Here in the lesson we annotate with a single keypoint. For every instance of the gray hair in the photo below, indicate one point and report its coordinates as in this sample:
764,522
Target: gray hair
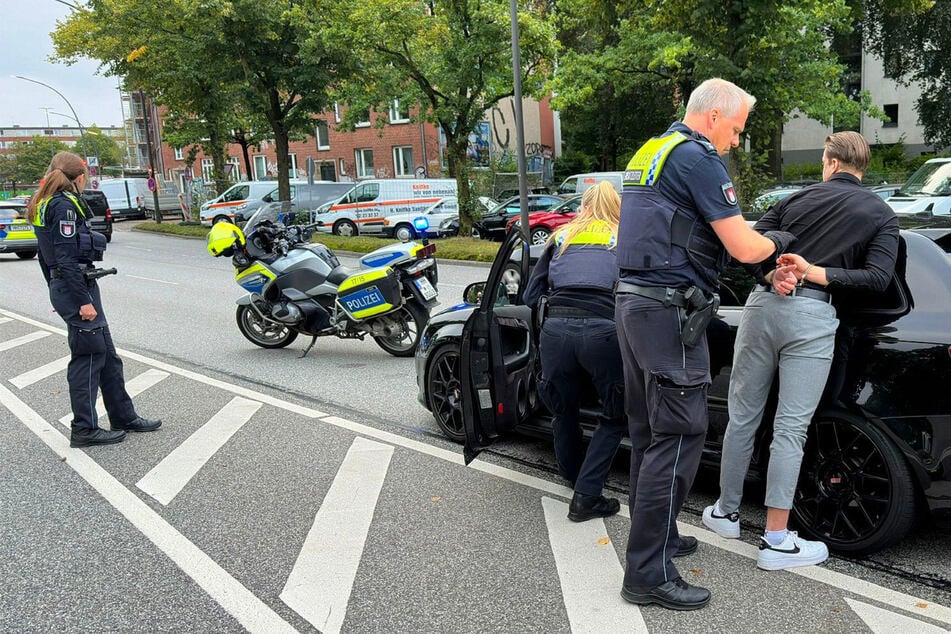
721,94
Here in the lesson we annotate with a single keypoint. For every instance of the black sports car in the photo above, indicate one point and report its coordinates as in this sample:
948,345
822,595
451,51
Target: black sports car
877,446
491,226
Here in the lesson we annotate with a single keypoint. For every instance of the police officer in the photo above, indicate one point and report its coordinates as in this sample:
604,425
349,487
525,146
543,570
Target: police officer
68,247
576,273
678,212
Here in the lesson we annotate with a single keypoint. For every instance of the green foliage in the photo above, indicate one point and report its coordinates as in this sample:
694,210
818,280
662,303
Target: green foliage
799,172
33,157
748,175
99,145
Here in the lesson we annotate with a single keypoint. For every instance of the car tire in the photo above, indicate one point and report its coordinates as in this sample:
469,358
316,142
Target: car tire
345,228
404,233
26,255
108,237
856,492
444,391
218,219
512,278
476,233
540,235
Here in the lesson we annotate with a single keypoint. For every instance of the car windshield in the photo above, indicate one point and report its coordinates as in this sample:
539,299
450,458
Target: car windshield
931,179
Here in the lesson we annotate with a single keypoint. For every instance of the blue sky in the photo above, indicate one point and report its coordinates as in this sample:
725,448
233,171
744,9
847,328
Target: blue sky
26,47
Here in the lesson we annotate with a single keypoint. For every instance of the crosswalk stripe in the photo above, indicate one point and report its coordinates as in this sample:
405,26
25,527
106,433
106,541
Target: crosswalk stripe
170,476
4,320
21,341
882,621
40,373
134,386
590,573
320,583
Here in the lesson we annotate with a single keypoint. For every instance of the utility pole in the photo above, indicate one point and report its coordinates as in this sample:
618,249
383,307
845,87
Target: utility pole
157,216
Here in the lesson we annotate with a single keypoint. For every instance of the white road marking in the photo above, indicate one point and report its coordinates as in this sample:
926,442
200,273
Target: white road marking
169,477
40,373
134,386
4,320
826,576
590,573
882,621
22,341
231,595
152,279
321,581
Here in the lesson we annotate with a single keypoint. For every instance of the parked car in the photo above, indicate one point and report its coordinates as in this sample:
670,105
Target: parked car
927,192
885,190
542,224
126,196
450,226
400,226
767,199
578,183
101,220
876,449
16,234
492,223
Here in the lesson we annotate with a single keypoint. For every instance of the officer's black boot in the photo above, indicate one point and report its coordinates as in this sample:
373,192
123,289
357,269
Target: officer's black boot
587,507
86,436
139,424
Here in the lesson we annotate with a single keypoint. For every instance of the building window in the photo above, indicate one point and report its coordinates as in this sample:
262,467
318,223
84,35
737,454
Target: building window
292,165
179,154
398,113
364,161
260,167
336,112
403,161
363,118
207,169
235,162
891,111
323,135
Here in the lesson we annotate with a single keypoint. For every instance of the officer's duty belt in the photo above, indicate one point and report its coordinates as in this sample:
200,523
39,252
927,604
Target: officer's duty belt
799,291
570,312
668,296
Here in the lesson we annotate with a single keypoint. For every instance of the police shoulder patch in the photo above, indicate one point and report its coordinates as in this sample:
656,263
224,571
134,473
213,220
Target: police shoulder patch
67,228
729,193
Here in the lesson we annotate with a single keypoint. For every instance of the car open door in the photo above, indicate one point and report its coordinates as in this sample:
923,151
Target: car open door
498,356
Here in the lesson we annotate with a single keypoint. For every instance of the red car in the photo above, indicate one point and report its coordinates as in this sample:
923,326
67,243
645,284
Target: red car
542,223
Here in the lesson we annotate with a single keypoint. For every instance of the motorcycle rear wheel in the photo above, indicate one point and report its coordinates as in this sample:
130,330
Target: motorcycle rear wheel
260,332
412,319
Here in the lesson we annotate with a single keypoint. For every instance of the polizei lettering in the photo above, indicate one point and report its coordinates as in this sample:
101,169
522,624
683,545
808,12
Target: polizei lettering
367,299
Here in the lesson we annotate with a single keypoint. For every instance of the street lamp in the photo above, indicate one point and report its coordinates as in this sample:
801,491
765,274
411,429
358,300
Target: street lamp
75,116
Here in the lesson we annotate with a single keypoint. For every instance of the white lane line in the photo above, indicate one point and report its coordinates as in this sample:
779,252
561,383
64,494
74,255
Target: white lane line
228,592
882,621
152,279
170,476
134,386
321,581
590,573
21,341
4,320
194,376
40,373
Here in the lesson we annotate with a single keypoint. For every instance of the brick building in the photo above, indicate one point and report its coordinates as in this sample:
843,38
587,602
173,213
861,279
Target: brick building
401,149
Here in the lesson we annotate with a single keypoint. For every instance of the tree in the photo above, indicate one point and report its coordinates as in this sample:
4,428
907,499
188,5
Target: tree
913,38
99,145
454,58
33,157
9,172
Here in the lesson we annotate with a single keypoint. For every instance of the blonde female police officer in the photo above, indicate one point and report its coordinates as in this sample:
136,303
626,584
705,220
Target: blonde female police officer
577,272
68,247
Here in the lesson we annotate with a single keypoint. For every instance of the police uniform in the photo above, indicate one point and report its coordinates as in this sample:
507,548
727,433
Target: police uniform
68,247
674,187
579,335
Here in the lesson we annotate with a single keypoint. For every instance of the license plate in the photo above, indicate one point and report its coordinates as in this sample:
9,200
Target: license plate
428,290
19,227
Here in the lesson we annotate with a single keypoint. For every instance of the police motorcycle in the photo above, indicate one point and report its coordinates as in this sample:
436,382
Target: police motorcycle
298,287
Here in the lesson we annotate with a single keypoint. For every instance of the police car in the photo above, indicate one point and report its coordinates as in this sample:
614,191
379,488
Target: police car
16,234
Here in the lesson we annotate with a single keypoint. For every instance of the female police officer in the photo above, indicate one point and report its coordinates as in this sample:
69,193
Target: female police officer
68,247
577,271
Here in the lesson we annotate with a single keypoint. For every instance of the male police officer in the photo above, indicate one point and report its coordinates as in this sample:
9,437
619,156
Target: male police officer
678,212
68,247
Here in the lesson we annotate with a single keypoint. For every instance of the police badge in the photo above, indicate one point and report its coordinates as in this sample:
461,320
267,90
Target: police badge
67,228
729,192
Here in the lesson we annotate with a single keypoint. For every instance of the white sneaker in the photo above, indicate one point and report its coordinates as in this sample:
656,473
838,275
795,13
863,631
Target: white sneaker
793,552
723,525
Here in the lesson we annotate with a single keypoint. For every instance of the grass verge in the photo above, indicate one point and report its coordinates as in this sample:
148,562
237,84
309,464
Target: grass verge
446,248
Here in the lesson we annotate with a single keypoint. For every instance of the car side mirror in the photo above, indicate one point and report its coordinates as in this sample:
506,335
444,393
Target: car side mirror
473,293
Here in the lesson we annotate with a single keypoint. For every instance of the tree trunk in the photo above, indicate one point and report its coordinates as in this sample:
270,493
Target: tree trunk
275,117
458,169
218,159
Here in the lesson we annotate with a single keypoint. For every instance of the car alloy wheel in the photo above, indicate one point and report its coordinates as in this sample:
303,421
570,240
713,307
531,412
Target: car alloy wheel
444,391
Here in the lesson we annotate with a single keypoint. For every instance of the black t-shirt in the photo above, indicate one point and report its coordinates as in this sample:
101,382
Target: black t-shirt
843,227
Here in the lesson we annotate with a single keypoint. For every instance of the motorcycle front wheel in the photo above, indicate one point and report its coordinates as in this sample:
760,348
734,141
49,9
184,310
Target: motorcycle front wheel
410,321
262,332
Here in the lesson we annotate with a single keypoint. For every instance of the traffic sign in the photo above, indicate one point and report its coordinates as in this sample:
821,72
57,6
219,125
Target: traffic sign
92,161
151,184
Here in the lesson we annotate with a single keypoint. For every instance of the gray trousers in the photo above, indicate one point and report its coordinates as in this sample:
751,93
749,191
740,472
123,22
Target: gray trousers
795,335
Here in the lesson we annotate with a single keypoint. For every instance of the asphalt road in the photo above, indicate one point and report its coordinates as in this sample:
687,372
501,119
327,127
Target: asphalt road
304,494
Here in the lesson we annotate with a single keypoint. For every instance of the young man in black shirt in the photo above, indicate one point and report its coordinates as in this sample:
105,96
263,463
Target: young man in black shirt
846,237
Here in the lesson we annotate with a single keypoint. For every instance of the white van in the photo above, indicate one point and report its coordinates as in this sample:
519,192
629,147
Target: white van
124,196
928,190
401,227
364,208
236,197
578,183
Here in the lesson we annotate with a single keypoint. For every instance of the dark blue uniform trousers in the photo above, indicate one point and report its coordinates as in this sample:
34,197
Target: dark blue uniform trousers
569,347
665,400
88,373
